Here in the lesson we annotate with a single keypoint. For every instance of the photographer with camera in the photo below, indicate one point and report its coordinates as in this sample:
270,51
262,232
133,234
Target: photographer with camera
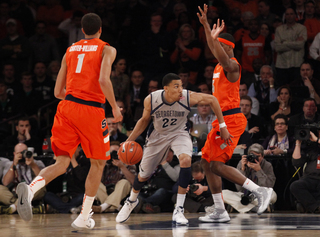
307,189
117,179
260,171
198,192
309,115
23,168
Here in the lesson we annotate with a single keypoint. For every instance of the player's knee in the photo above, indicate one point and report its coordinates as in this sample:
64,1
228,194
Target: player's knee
184,177
185,160
138,183
216,167
205,165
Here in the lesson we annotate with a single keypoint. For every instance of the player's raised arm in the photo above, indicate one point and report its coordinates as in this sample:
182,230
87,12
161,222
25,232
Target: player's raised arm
196,98
204,21
143,122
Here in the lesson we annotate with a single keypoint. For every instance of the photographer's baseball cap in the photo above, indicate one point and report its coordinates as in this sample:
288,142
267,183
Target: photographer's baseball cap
11,21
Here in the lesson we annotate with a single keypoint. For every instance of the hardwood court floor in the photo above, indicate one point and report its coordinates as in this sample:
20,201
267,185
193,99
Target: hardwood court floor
159,225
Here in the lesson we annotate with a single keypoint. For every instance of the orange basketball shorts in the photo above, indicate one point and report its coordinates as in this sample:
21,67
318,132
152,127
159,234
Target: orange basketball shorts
76,123
215,149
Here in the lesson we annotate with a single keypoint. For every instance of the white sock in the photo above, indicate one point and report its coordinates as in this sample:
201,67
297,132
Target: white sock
180,200
218,201
86,206
104,206
249,185
37,184
133,196
13,207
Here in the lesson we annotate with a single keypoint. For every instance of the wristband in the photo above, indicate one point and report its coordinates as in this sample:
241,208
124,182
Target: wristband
222,125
318,140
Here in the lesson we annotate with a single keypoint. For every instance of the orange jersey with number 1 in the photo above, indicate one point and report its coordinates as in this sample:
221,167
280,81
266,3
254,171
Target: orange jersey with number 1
84,69
227,93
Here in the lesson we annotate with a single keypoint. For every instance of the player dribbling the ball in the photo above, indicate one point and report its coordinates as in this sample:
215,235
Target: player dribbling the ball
168,109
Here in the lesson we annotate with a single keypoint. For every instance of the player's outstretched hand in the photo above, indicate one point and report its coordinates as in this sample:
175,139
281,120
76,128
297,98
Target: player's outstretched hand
117,114
217,29
203,17
225,135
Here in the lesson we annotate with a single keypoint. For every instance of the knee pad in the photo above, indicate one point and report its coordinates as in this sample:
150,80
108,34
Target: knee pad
184,177
137,185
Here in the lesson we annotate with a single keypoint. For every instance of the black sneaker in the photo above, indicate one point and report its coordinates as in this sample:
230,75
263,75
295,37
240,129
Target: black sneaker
300,208
6,210
149,208
39,209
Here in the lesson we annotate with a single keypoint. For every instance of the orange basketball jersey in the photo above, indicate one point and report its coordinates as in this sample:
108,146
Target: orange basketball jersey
225,91
83,62
252,49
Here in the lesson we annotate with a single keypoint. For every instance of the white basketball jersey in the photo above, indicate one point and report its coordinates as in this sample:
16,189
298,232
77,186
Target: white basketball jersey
166,117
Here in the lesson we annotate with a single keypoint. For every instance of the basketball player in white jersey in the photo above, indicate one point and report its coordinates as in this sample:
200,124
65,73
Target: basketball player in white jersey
168,108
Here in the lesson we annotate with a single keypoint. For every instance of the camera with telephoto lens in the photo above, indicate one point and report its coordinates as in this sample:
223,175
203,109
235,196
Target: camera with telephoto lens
25,154
191,194
252,158
113,156
302,132
247,198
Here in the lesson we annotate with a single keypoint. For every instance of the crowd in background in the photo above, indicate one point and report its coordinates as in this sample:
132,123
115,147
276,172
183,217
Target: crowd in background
277,45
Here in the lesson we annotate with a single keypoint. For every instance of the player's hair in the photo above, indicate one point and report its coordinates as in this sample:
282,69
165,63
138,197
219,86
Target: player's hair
168,78
227,36
90,23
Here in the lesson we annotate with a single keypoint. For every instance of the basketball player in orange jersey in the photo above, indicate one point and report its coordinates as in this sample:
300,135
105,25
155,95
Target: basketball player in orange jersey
215,153
82,84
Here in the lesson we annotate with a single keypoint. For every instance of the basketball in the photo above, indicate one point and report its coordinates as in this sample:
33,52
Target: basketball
130,152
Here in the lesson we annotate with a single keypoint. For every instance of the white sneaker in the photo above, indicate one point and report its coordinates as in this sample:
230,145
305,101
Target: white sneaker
126,210
82,224
209,209
25,197
218,216
264,196
178,217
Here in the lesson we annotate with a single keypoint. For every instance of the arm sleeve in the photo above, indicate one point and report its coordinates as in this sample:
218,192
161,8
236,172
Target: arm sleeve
172,172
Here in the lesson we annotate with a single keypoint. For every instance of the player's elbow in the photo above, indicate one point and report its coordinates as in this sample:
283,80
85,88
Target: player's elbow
103,82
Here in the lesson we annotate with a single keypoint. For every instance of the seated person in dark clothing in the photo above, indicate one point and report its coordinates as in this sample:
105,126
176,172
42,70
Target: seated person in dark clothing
26,99
199,195
65,193
184,75
24,135
280,143
157,193
307,188
256,125
114,132
307,80
284,104
309,115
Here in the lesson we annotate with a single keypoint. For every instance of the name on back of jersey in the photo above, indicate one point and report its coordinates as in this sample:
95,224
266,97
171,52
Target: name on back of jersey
169,113
83,48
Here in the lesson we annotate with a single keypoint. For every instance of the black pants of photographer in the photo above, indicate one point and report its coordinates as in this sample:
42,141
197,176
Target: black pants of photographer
192,206
62,207
307,192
